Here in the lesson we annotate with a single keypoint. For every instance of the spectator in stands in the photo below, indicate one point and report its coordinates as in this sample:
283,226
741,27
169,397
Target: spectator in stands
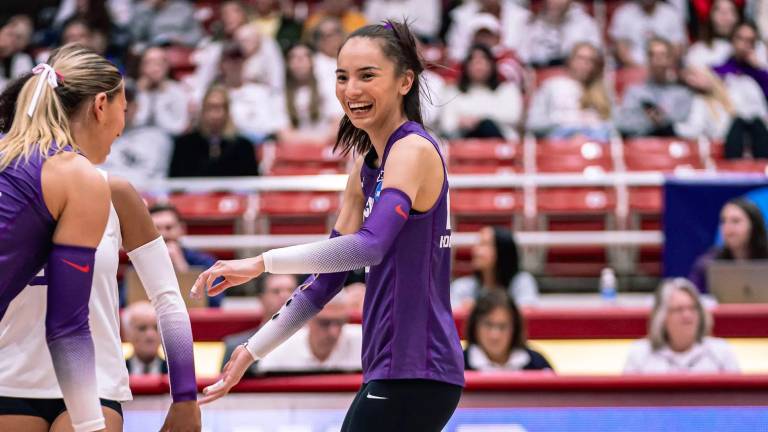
742,227
207,56
214,148
576,103
343,10
119,11
251,105
747,83
22,30
486,30
327,343
310,116
653,107
171,226
160,22
161,101
510,14
327,38
276,23
711,112
551,35
140,153
263,58
423,15
277,289
496,263
140,329
678,338
98,18
13,62
714,46
496,339
474,107
635,23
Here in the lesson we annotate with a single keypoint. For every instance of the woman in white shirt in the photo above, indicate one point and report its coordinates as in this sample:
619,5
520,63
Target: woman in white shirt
714,46
576,103
481,106
496,262
678,336
310,115
712,110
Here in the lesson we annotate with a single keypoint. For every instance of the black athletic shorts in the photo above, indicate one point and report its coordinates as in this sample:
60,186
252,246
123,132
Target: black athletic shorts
414,405
47,409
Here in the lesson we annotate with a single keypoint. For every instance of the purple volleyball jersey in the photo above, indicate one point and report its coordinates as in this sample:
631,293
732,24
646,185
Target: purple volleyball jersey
26,227
408,327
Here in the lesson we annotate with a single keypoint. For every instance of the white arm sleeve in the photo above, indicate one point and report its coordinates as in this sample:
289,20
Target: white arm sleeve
287,321
338,254
153,265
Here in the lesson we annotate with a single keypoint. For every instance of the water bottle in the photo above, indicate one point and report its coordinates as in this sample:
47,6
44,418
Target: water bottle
608,286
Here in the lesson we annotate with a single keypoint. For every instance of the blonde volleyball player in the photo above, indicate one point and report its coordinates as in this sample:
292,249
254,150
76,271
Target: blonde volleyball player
30,396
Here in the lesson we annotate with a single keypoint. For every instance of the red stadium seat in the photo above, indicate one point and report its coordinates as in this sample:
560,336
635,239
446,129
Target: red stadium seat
573,155
759,166
483,156
544,74
297,212
303,159
575,209
661,154
646,206
180,60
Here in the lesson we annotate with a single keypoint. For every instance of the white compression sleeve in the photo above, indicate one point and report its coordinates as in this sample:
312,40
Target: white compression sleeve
364,248
291,317
153,265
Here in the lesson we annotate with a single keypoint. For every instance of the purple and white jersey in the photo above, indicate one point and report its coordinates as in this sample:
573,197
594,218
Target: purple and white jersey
408,327
26,227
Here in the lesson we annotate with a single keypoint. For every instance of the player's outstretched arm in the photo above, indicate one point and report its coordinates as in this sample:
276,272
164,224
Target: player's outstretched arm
150,258
77,196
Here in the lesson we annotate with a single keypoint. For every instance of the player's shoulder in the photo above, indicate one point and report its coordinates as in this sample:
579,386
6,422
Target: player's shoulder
73,168
412,145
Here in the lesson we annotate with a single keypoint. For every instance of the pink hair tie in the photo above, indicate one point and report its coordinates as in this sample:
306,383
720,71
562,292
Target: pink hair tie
47,74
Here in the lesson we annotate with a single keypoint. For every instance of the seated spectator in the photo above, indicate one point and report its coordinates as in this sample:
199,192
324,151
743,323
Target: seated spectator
310,116
496,263
343,10
160,100
496,339
481,106
99,18
551,35
711,112
635,23
327,343
13,62
742,227
714,46
263,58
652,108
164,22
747,83
141,153
207,56
213,148
486,30
251,105
510,14
274,21
120,11
22,30
327,39
276,290
140,329
678,338
171,226
422,15
576,103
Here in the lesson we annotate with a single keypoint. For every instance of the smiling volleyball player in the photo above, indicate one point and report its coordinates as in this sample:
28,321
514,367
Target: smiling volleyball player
394,220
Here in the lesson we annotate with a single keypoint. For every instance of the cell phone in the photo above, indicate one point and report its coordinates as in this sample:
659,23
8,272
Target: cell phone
649,105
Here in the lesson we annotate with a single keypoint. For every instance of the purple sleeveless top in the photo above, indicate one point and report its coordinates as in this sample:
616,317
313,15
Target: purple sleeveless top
408,327
26,227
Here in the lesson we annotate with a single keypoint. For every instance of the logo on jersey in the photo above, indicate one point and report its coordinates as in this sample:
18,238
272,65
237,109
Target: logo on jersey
399,210
445,241
376,194
81,268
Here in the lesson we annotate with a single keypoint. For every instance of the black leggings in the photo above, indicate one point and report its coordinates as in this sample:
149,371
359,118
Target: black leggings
402,406
746,132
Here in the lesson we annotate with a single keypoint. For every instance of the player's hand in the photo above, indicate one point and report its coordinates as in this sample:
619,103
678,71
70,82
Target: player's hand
233,372
183,417
234,272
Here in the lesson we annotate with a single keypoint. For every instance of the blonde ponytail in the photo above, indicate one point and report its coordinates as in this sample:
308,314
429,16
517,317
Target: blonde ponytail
80,75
